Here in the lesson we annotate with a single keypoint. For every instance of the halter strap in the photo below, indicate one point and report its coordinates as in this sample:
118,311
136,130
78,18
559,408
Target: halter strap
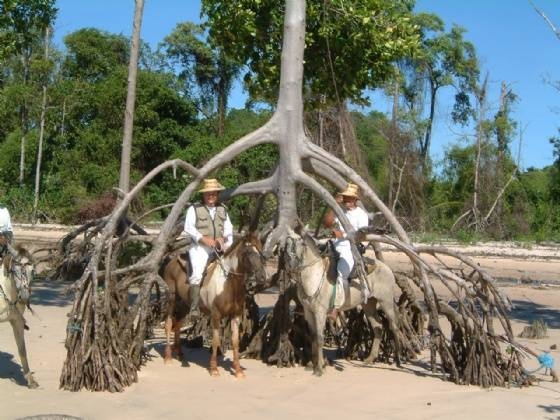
315,294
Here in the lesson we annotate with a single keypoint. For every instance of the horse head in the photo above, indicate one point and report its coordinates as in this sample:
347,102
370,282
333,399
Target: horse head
21,270
294,252
252,262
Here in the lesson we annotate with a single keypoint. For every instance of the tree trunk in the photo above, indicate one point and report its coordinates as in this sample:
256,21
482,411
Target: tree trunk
124,182
480,135
41,136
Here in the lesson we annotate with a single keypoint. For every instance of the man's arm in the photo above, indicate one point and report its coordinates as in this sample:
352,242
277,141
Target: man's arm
228,232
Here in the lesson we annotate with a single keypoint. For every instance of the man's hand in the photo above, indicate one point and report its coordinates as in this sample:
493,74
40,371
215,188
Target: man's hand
337,234
209,242
219,244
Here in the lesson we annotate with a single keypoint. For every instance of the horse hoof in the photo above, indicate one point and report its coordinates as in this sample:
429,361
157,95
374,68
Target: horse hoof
214,372
318,373
239,375
32,384
167,360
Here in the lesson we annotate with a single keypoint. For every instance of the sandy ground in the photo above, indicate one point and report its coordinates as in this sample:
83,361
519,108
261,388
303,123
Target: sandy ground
348,389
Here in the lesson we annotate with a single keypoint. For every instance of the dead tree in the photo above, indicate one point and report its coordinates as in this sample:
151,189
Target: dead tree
110,315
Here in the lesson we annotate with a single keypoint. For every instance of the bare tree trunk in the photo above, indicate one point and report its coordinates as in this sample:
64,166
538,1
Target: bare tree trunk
21,158
63,119
547,20
41,136
124,182
24,119
393,134
425,146
480,135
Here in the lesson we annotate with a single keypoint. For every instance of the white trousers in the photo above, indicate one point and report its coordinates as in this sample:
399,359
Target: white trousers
199,257
345,261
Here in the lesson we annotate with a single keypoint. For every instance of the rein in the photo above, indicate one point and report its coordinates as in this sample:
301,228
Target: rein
300,268
221,263
20,281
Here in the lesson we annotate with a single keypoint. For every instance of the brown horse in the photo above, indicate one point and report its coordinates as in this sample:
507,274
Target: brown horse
16,273
222,294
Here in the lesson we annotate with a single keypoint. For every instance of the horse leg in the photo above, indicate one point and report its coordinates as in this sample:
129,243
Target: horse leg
387,304
168,354
215,345
313,330
370,309
321,320
177,339
18,325
316,322
235,343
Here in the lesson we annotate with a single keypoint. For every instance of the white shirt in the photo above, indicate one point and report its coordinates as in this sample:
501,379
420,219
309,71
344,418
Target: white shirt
358,218
192,231
5,220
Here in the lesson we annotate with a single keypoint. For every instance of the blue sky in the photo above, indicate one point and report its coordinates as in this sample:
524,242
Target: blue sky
513,42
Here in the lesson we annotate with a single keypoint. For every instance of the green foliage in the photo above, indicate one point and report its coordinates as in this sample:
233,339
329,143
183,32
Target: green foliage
93,54
369,131
350,45
21,22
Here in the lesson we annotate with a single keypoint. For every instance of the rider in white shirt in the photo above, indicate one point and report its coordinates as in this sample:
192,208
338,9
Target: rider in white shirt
5,227
210,228
358,218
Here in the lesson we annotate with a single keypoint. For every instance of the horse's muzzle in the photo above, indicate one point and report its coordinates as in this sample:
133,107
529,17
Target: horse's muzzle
24,295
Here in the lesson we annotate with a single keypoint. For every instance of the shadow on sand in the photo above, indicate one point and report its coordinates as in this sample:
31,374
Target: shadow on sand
10,369
198,356
50,293
527,311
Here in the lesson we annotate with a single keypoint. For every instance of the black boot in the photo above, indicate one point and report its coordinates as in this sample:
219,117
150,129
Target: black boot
194,292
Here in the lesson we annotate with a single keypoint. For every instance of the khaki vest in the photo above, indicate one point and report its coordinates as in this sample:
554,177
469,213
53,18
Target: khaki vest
204,223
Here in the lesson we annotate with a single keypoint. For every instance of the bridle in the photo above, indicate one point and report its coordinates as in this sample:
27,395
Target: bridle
21,271
248,248
296,266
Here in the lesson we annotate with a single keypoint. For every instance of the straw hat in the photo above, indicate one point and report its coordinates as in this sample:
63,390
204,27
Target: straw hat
211,184
350,191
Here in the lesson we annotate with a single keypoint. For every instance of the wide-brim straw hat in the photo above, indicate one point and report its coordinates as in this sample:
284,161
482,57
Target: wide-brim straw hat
350,191
211,184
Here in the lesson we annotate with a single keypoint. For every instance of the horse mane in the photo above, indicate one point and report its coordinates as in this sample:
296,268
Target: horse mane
310,243
20,251
24,252
251,236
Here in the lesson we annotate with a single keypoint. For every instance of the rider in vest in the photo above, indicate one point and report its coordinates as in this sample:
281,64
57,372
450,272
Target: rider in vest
209,226
6,230
358,218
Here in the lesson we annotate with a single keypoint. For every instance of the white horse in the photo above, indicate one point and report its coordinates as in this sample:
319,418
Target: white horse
16,274
315,276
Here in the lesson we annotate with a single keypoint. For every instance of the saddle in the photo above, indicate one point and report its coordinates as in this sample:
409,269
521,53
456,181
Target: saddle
369,263
185,260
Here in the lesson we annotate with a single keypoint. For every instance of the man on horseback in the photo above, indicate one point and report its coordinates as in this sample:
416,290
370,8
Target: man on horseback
358,218
210,228
6,232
